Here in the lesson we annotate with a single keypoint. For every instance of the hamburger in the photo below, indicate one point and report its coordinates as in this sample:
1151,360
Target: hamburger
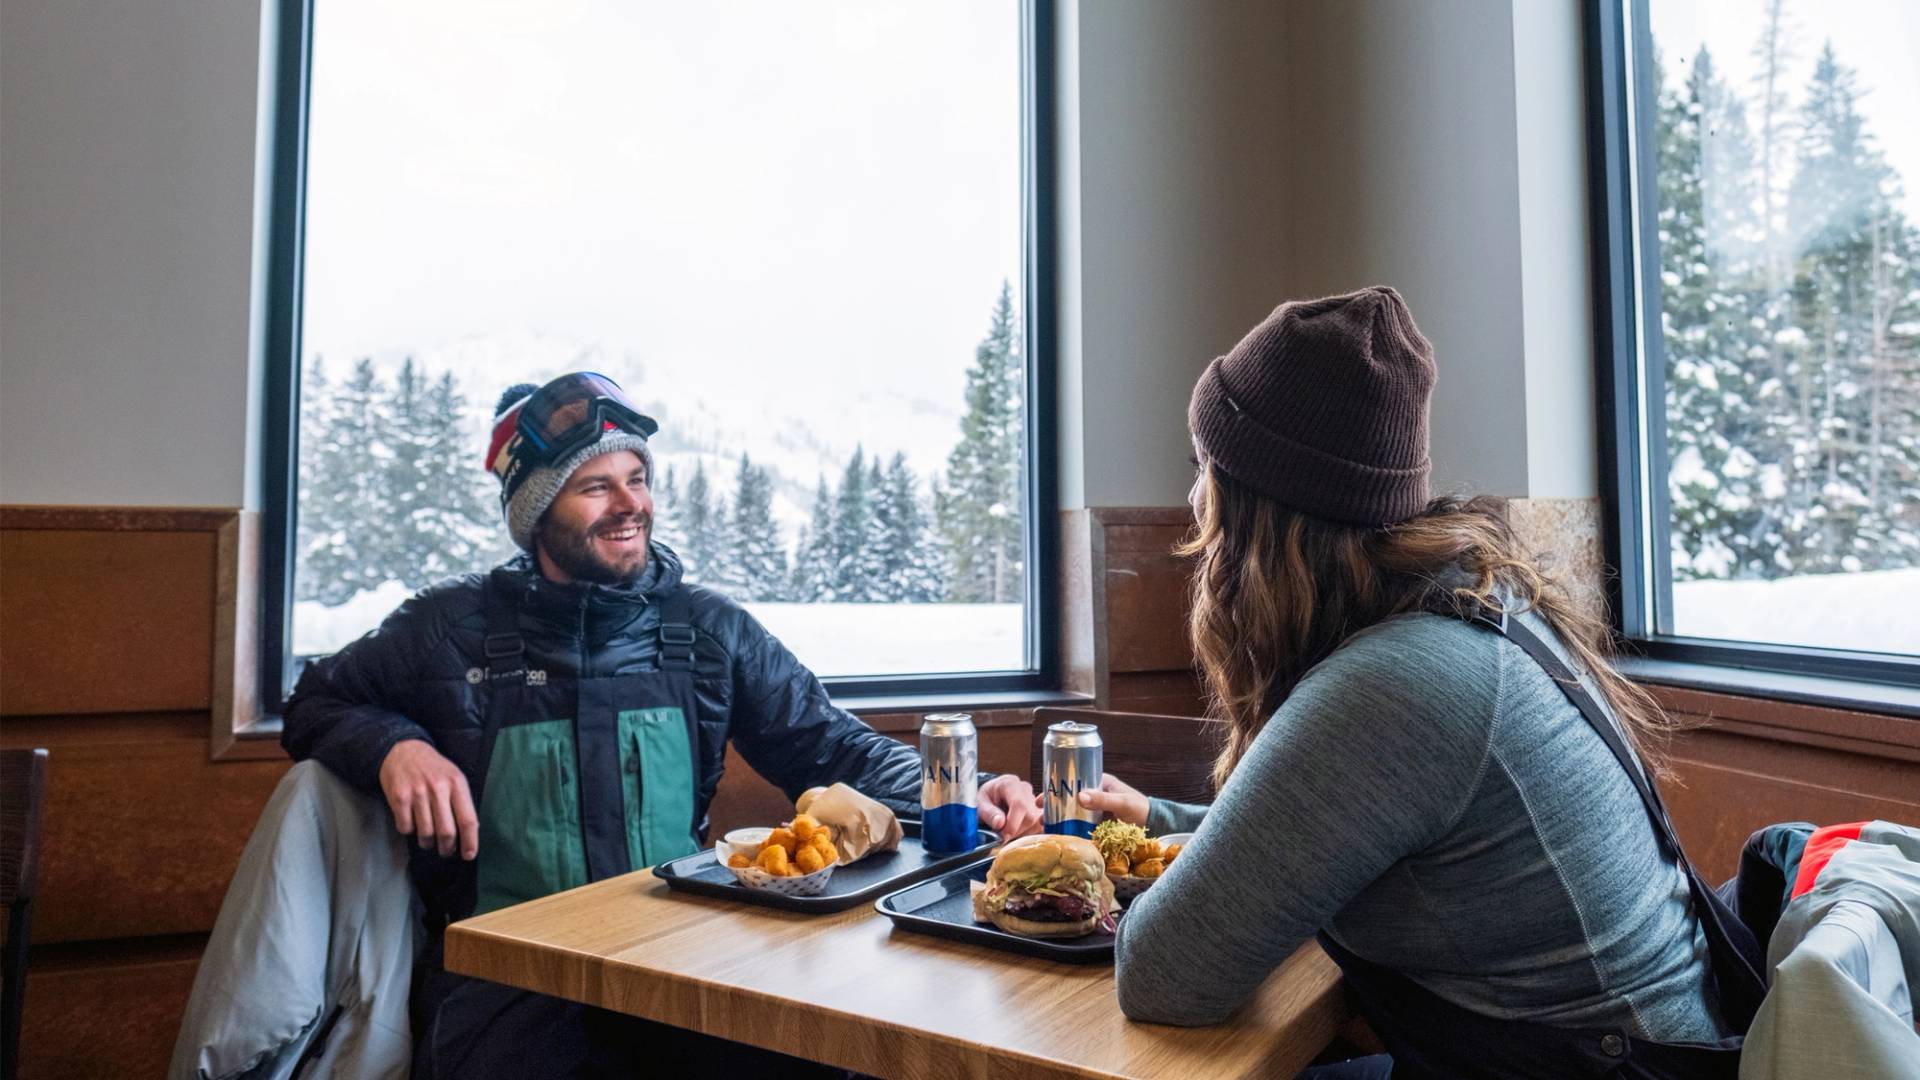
1046,886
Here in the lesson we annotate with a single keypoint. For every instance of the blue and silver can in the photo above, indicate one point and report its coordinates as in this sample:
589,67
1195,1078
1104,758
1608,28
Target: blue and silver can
1070,760
949,783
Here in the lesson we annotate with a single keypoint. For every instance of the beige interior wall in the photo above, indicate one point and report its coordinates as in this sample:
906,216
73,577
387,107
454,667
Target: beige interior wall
127,139
1231,155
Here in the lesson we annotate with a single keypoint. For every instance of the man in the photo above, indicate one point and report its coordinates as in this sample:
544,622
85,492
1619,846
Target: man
564,718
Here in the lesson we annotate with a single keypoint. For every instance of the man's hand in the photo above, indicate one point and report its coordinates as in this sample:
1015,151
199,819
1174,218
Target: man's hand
429,798
1116,800
1009,807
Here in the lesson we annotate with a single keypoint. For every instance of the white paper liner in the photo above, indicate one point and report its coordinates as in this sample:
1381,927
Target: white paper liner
755,878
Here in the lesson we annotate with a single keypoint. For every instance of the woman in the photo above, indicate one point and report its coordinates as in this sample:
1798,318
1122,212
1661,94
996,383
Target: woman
1406,780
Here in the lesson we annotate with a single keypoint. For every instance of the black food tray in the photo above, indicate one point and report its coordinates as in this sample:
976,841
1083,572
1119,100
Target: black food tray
850,886
943,907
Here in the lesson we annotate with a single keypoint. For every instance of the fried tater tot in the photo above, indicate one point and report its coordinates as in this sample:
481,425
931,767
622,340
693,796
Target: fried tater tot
822,842
739,861
1146,849
784,840
1118,866
1172,851
803,827
773,859
1149,868
808,860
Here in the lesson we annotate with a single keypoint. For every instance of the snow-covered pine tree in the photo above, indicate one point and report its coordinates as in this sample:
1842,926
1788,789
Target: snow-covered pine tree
318,517
669,525
812,578
406,546
702,522
1894,403
351,452
875,552
460,525
1832,203
1707,251
911,570
850,538
981,508
756,560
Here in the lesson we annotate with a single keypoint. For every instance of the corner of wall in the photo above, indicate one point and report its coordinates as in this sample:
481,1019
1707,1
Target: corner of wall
1556,272
1068,351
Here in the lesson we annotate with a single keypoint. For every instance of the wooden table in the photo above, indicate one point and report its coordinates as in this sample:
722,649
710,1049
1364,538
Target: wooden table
850,990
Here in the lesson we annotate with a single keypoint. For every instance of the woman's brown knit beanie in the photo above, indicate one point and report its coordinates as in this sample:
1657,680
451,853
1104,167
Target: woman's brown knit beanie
1323,408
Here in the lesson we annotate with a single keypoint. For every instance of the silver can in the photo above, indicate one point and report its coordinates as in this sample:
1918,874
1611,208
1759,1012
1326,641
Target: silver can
949,783
1070,761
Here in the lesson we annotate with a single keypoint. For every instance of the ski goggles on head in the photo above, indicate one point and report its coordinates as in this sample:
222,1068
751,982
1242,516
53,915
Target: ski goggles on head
566,415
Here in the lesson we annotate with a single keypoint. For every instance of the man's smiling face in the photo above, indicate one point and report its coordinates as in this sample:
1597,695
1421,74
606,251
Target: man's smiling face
598,526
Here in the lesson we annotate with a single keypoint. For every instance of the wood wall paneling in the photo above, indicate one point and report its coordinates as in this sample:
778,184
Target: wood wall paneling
1753,762
1132,619
107,1011
142,831
95,621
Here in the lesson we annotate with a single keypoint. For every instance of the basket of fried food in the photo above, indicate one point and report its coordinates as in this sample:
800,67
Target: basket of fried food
1135,860
795,859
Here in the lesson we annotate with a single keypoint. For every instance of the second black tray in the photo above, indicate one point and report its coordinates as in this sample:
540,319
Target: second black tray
850,886
943,907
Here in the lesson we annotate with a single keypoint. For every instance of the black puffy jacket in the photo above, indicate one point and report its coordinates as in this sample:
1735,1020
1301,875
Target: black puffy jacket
409,680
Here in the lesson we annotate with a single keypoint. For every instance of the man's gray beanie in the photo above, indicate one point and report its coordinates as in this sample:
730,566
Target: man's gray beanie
542,485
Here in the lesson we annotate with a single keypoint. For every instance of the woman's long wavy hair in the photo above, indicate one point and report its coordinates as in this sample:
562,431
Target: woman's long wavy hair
1276,591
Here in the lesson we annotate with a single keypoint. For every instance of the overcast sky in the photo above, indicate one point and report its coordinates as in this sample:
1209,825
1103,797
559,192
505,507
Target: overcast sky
766,204
1878,39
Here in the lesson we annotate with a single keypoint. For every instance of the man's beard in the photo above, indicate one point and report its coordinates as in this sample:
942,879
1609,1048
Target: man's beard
572,550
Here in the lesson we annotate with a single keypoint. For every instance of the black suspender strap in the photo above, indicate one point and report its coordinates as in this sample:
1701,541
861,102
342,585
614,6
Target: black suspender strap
1518,632
1739,964
676,632
503,650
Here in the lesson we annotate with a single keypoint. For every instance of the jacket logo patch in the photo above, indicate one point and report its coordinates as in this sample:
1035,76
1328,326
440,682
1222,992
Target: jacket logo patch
534,677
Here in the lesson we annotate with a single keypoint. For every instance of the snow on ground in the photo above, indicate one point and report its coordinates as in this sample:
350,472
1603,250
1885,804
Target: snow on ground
832,639
897,639
1873,611
319,629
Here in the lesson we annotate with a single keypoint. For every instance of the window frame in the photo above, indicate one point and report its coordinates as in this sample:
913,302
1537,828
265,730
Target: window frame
1630,372
289,85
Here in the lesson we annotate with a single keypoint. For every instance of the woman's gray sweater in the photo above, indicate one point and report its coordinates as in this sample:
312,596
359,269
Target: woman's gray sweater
1431,798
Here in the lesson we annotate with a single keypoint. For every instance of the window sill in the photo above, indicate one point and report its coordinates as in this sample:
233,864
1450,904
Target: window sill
1802,689
261,738
976,701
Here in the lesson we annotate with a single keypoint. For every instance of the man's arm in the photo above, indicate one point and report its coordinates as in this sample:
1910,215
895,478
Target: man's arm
788,729
346,712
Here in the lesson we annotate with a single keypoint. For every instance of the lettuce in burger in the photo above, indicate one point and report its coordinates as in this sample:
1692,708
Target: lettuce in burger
1046,886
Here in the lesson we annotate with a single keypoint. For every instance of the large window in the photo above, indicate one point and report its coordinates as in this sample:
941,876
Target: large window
804,236
1756,165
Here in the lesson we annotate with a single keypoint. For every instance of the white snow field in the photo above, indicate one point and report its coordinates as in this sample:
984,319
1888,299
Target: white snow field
1873,611
831,639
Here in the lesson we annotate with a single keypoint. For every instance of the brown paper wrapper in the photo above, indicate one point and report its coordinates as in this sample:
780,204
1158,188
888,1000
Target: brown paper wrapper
860,825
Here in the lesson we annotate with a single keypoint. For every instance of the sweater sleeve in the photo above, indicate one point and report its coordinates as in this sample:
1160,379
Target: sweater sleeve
792,733
1166,816
1374,756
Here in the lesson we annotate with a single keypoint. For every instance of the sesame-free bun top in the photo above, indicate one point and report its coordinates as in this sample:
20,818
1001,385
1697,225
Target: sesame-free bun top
1048,853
